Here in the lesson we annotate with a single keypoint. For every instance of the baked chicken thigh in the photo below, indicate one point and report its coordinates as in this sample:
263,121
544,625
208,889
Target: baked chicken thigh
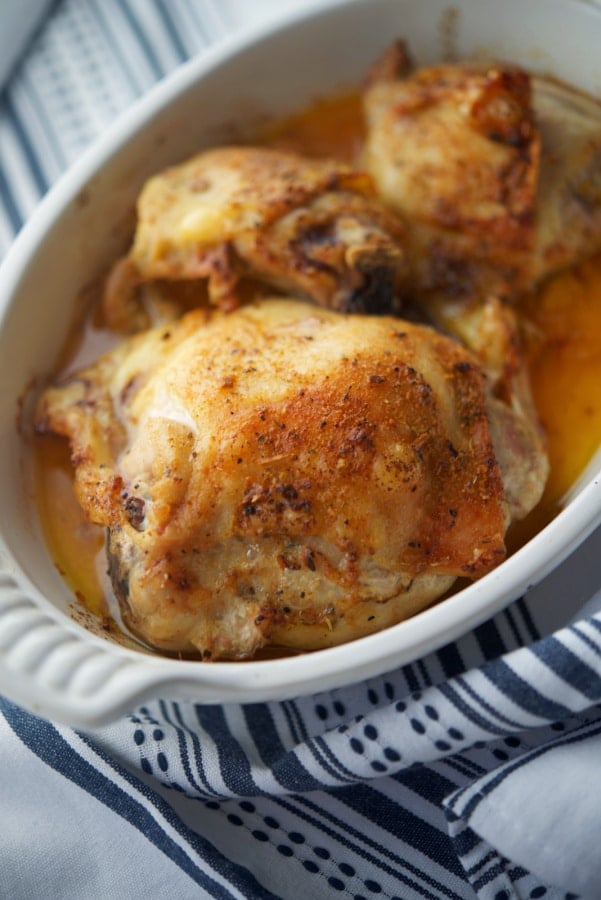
497,172
285,475
309,227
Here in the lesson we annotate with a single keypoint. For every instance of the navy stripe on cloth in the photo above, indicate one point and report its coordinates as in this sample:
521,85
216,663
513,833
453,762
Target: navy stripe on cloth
125,67
361,844
411,678
499,868
465,841
484,861
451,694
142,39
487,707
295,723
426,678
185,734
373,806
586,639
450,660
524,694
233,761
29,154
285,767
533,632
171,30
582,734
509,618
260,723
9,204
296,716
426,782
44,120
489,640
329,761
463,766
596,624
43,739
574,671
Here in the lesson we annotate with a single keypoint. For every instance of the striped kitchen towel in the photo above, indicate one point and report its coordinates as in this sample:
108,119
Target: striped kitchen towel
470,773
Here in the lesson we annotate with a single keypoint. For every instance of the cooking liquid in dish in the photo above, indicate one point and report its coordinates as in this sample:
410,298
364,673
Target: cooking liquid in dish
561,326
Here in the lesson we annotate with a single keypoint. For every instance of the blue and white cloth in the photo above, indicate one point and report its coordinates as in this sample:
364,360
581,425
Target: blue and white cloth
472,773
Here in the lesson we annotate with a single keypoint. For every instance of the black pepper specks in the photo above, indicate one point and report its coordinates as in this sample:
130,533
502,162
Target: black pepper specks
135,511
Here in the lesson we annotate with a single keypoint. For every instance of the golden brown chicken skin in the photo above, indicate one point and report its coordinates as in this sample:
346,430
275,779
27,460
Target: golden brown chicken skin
285,475
454,149
498,173
309,227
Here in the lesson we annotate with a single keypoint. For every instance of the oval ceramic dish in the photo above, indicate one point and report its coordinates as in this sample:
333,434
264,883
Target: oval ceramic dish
50,662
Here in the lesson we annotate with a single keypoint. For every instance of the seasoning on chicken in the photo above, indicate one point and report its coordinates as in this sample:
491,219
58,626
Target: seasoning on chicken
497,173
308,227
454,149
284,475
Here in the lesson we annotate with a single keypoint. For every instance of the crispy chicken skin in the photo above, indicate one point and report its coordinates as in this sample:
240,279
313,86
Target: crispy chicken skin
454,149
491,331
309,227
498,173
284,475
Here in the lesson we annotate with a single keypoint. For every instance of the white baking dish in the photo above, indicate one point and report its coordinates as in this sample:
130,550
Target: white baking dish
50,662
